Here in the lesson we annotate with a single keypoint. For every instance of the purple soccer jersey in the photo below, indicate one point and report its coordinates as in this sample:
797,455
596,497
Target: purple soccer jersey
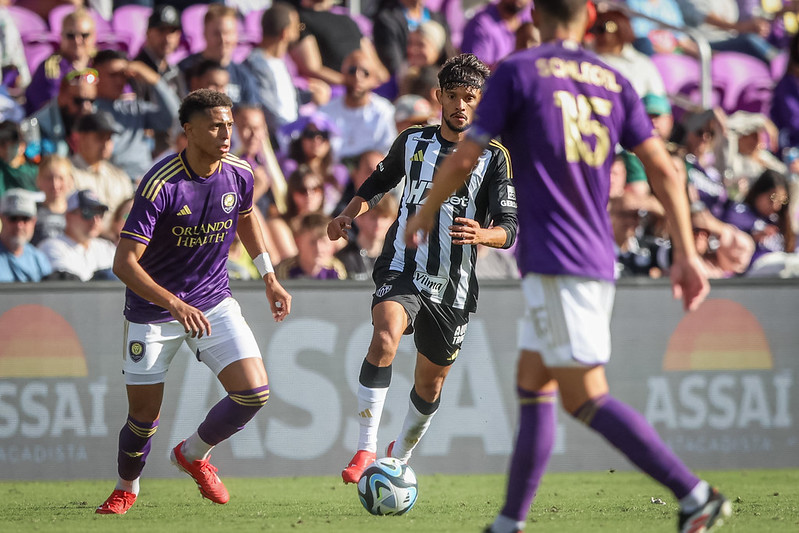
561,111
188,224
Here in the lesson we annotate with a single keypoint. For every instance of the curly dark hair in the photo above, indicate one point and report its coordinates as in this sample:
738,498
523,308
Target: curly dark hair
767,182
201,100
463,70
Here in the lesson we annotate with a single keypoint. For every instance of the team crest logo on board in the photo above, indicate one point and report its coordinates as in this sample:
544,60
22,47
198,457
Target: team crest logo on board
228,202
382,291
136,350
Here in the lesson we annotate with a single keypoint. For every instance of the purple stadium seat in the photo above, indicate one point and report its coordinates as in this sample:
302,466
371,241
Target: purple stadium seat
192,21
28,22
738,74
37,40
252,26
35,53
680,73
778,66
131,20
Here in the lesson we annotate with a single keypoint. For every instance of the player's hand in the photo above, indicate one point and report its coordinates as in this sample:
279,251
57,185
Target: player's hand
466,231
279,298
193,320
339,228
689,282
417,228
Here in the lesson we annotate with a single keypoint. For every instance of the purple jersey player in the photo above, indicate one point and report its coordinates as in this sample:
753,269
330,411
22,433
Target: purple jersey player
561,111
172,255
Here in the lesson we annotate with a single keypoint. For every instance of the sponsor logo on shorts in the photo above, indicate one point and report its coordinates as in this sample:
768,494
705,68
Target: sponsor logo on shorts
228,202
432,284
454,355
458,336
136,350
382,291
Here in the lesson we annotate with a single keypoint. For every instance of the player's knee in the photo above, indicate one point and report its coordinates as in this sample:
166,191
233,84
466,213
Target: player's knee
384,345
254,398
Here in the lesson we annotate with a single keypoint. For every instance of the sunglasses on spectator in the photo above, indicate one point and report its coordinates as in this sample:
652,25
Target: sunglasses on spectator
73,36
88,213
315,134
89,74
19,218
778,198
354,70
310,190
607,27
80,101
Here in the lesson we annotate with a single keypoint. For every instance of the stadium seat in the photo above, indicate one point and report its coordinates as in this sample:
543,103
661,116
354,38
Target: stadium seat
778,66
37,40
742,80
252,26
35,53
131,20
192,21
680,73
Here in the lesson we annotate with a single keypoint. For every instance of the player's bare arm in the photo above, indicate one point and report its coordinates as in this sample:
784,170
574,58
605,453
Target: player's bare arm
468,231
339,226
251,234
127,269
688,277
452,173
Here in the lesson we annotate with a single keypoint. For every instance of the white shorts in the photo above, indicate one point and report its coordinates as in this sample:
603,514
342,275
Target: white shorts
567,319
149,348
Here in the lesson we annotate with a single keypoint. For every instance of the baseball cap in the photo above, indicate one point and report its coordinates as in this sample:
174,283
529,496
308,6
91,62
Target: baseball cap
18,203
656,104
412,107
87,201
164,16
744,122
98,121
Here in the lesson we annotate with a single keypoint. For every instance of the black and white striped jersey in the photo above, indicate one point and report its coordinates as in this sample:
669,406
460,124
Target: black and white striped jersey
441,270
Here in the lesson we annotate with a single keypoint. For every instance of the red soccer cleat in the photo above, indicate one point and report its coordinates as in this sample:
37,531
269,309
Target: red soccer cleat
118,503
358,464
390,448
203,473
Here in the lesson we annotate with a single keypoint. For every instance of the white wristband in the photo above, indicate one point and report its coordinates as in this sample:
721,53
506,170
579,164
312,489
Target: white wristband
263,264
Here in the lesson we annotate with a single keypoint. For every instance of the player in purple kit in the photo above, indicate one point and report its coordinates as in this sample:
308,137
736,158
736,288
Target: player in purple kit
561,111
172,258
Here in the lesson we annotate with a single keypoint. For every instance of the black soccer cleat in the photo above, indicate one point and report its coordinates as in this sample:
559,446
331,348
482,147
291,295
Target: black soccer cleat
708,517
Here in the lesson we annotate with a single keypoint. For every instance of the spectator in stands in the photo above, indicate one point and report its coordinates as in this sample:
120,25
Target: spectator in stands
785,100
20,261
396,19
763,214
118,219
424,82
56,120
651,38
613,38
428,46
365,120
15,170
315,257
719,22
527,36
55,181
491,32
277,93
16,75
132,145
78,40
306,194
362,250
80,254
750,139
366,164
313,138
410,110
92,168
209,74
327,40
220,28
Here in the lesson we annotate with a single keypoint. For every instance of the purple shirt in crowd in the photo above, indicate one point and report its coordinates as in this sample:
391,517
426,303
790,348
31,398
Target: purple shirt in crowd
46,81
785,109
769,239
560,111
487,36
188,224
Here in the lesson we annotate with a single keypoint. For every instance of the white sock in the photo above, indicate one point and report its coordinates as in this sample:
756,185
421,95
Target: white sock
413,429
696,498
503,524
195,448
370,409
128,486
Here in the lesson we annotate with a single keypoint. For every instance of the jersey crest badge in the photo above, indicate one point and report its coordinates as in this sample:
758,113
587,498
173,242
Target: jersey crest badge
228,202
382,291
136,350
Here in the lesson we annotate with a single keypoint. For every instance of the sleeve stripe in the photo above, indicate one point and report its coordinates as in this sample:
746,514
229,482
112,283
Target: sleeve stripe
150,184
507,157
161,183
246,211
131,234
241,164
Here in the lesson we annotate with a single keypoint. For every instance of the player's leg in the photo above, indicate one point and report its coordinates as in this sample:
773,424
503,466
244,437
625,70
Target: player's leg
390,320
233,355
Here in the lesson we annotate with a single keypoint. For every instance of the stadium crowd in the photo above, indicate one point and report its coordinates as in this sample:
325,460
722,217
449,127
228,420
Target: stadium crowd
90,93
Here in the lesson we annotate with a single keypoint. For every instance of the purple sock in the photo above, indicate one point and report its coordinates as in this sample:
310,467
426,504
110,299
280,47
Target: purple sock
134,445
534,443
628,430
231,414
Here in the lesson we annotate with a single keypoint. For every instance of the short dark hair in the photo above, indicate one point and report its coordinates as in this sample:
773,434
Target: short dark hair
276,19
561,10
201,100
202,68
106,56
463,70
10,132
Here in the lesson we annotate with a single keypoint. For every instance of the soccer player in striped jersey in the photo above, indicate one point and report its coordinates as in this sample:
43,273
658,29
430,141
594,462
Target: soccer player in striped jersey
431,290
561,111
172,255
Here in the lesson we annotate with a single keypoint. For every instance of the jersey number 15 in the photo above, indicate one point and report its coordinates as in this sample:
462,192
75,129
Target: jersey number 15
578,123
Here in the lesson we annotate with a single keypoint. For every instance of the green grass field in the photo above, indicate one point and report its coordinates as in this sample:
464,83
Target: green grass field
764,501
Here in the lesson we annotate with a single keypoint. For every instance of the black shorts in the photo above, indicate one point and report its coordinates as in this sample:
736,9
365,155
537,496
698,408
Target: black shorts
438,330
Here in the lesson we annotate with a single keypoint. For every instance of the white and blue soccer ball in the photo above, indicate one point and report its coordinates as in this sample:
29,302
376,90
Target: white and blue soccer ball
388,487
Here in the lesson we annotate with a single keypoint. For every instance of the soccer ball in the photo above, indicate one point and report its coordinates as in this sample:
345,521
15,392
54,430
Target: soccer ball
388,487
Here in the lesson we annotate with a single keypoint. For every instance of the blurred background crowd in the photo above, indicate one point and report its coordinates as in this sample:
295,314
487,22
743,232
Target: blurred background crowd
91,88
